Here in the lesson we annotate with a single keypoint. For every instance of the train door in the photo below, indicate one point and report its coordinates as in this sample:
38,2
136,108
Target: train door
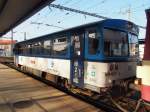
77,60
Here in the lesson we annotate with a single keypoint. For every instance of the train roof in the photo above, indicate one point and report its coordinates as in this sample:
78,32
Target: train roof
115,23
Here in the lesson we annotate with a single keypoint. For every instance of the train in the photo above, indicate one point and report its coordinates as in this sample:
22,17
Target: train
143,70
93,57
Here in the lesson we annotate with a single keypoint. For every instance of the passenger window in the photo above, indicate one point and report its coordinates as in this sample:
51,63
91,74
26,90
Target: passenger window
15,49
24,49
37,48
29,48
93,41
47,47
60,46
77,45
20,51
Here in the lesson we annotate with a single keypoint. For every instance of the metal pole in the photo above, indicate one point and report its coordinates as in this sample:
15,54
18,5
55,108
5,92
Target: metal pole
25,36
12,42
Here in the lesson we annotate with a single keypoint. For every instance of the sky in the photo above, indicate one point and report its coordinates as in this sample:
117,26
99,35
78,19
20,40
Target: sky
117,9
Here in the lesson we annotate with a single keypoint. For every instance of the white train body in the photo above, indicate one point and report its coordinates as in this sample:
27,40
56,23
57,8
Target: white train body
97,75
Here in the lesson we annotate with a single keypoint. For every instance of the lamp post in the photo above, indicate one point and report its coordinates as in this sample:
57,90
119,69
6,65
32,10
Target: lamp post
12,43
25,36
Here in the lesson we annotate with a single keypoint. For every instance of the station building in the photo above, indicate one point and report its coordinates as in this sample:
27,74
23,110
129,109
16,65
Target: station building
5,47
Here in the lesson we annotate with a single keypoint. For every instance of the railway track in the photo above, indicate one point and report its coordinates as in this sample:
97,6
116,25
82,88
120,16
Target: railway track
107,106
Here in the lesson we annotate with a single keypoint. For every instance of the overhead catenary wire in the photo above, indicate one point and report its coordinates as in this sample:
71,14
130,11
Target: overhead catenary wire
69,1
83,12
99,3
77,11
73,4
51,25
64,3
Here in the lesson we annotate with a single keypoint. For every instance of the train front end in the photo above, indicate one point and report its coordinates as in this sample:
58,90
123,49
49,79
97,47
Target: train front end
118,57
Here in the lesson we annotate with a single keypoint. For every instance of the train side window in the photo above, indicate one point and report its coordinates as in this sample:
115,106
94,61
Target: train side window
47,47
60,46
15,50
33,49
93,41
29,49
37,48
23,49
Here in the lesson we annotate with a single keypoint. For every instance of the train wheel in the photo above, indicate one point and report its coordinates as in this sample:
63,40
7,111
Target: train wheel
44,75
66,84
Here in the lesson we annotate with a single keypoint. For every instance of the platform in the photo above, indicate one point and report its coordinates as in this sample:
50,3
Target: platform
5,59
20,93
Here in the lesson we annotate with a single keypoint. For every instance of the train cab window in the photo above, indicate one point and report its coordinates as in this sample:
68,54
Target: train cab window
133,44
93,41
115,43
47,47
60,46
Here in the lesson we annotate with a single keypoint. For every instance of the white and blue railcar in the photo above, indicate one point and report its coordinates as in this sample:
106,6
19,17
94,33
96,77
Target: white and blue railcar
94,56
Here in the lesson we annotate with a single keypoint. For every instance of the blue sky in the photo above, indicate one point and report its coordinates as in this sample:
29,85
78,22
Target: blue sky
109,8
